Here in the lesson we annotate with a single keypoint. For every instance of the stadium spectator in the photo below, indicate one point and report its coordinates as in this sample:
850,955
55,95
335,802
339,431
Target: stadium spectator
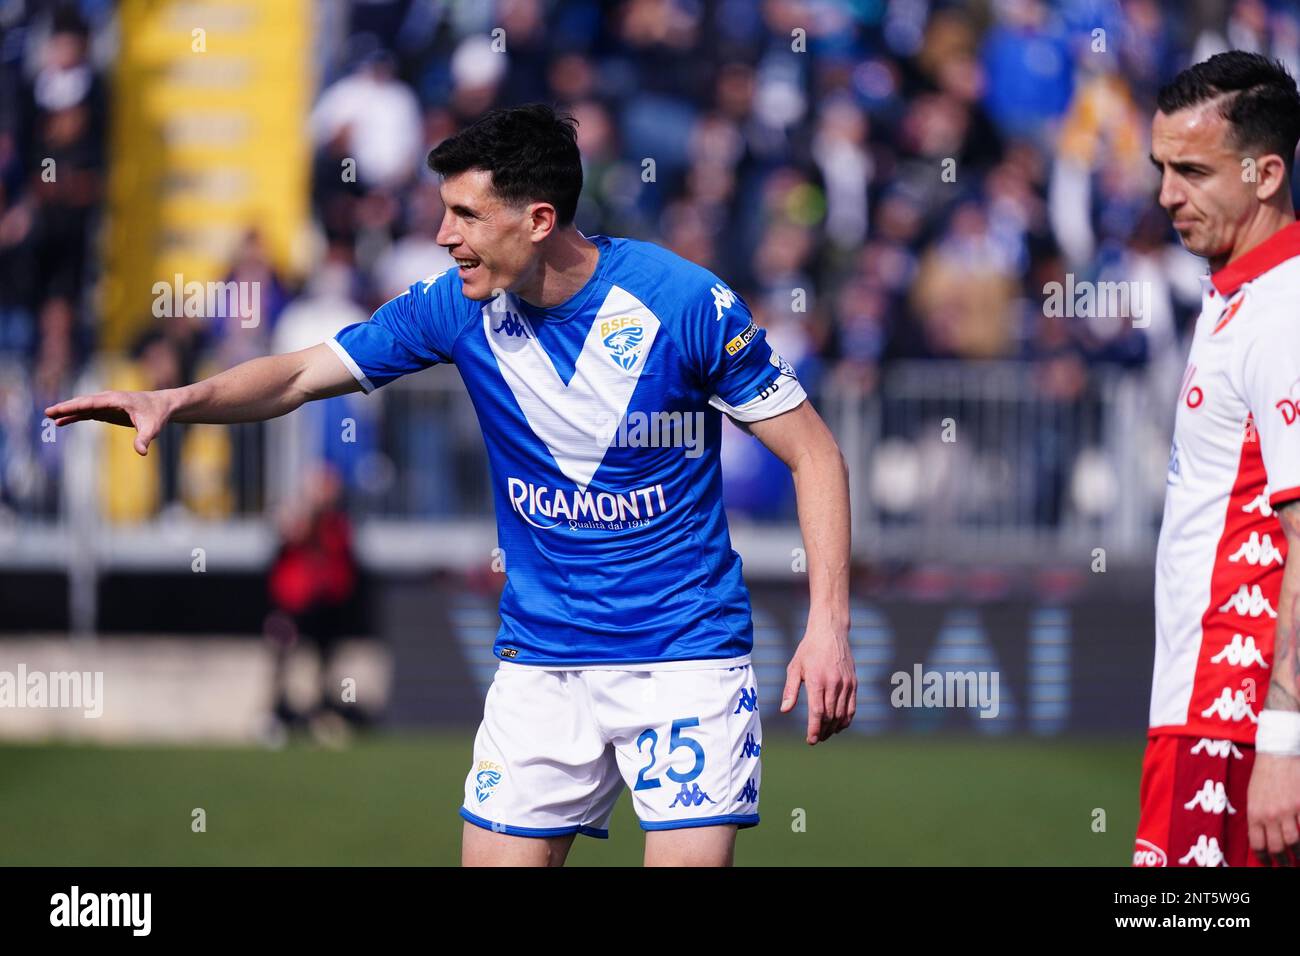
813,171
51,135
375,118
313,583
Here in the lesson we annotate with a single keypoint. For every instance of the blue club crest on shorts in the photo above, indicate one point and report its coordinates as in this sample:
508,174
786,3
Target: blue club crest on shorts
625,345
484,783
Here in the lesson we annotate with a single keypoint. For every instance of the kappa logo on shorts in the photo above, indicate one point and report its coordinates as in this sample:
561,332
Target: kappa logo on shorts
1212,798
691,796
748,700
1204,852
486,780
1217,748
752,747
750,792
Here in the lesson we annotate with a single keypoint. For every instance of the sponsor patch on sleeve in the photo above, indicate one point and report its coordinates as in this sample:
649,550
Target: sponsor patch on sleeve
743,339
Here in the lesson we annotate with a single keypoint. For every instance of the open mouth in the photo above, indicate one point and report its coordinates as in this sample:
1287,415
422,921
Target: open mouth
467,266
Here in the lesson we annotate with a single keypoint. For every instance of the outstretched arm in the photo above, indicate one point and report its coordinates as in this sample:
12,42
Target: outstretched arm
1273,799
823,659
256,390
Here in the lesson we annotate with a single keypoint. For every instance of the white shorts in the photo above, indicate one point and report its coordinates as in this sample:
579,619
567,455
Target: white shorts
556,748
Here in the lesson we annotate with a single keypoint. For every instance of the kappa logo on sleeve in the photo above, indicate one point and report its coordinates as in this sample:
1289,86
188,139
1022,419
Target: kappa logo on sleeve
430,280
723,299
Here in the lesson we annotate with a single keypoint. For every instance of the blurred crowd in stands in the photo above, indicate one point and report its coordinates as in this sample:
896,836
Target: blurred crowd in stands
880,181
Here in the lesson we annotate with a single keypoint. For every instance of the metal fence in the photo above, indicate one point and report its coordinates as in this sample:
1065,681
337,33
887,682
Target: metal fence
989,462
948,461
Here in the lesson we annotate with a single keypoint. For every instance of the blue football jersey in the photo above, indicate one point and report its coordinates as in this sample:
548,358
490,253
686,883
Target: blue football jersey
602,419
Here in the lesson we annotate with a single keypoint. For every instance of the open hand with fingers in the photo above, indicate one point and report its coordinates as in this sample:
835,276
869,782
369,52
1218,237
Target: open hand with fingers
1273,809
146,412
823,662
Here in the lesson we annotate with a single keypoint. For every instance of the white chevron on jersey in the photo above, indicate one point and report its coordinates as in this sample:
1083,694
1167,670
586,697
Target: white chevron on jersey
573,420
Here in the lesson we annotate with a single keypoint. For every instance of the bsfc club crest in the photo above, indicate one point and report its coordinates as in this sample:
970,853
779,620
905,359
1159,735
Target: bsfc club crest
486,780
622,337
780,362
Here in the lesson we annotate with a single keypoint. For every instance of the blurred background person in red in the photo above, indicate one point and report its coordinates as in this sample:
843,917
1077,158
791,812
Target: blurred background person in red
313,587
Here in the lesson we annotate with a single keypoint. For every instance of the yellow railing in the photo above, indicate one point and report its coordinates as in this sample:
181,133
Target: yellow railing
209,138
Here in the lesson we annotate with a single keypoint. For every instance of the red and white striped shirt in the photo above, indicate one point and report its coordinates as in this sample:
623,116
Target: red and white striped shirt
1235,457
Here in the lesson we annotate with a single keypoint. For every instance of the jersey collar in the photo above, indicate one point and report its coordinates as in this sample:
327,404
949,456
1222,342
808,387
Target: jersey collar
570,306
1273,251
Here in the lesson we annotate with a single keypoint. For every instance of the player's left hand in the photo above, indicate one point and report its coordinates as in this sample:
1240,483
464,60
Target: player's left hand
824,662
1272,809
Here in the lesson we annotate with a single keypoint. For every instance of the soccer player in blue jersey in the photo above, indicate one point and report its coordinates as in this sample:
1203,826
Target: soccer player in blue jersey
600,369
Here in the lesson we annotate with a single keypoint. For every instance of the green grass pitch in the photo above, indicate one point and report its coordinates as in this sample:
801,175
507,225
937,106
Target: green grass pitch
392,800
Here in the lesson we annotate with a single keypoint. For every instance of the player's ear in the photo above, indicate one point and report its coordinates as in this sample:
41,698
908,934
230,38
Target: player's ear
542,220
1271,170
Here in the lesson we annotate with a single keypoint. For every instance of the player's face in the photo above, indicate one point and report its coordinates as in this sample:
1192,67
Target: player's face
491,241
1203,184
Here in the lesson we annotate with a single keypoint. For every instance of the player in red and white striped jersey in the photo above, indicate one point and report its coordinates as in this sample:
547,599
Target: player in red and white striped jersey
1222,770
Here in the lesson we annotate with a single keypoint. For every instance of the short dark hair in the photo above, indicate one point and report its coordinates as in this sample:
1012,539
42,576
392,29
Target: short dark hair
531,152
1259,99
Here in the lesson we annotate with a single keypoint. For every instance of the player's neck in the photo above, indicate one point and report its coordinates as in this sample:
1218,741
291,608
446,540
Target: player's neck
1268,220
567,265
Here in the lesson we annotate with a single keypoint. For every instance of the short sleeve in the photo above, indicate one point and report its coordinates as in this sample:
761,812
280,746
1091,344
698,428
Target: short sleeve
1269,366
411,332
746,379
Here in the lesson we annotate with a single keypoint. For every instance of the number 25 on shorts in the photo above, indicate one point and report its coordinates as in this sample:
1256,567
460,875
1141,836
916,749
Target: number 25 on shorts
676,741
